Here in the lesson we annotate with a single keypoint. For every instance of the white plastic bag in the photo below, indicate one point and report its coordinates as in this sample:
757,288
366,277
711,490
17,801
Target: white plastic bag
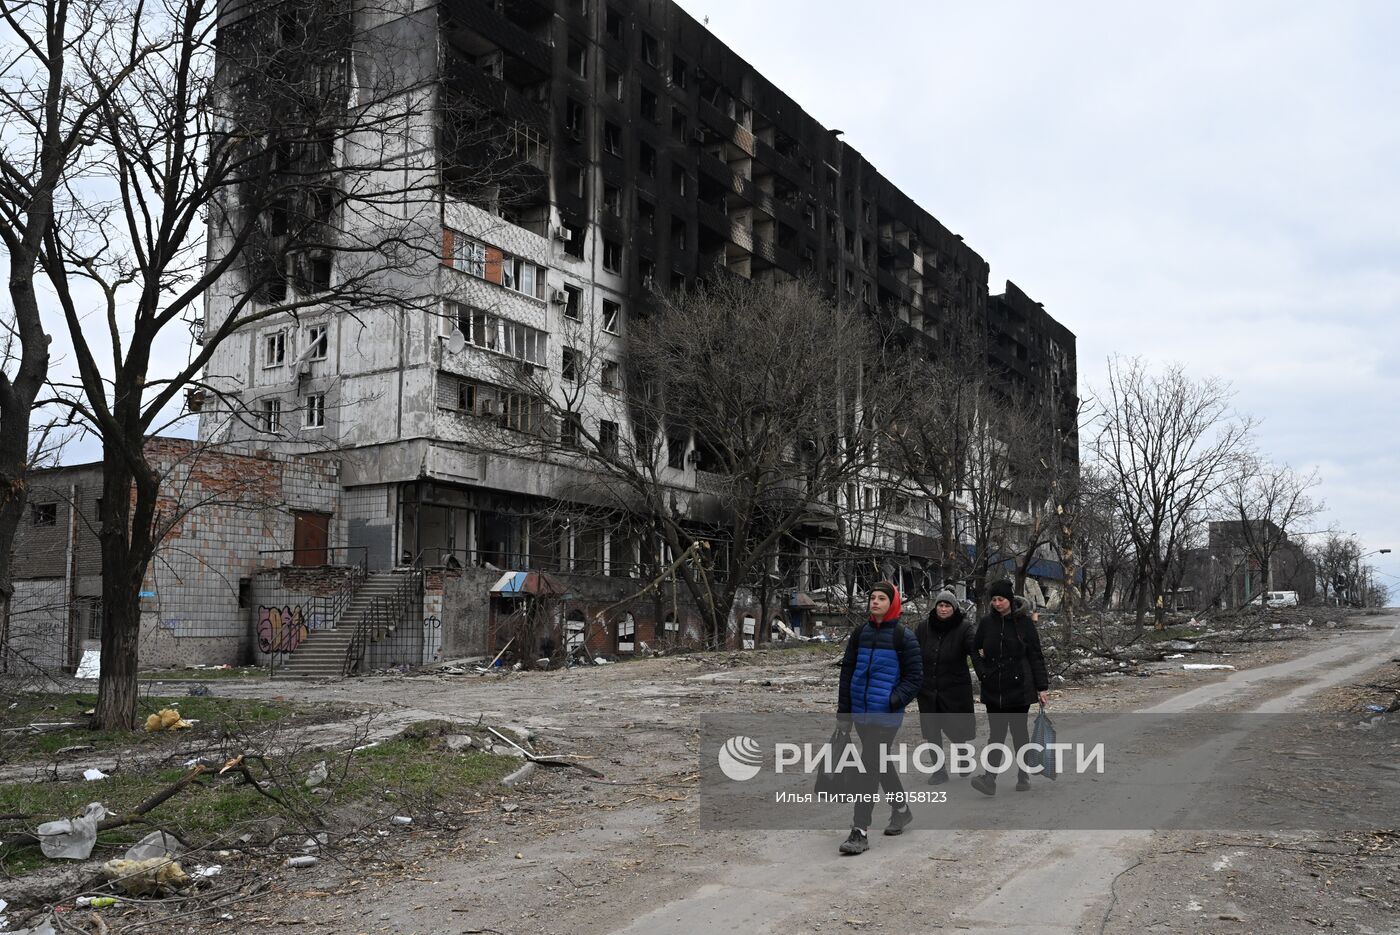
72,838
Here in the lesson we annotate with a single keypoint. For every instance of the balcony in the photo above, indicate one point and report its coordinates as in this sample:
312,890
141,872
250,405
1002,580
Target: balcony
476,29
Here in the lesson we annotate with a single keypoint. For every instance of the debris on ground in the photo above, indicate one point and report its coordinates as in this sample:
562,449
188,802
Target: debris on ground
155,844
72,838
317,775
1206,666
158,876
93,774
166,719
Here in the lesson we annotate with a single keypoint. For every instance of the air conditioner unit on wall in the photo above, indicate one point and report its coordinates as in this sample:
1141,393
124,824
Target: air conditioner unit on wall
558,297
563,233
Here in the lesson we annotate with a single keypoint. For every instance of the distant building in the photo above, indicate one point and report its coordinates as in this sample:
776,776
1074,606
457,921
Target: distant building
1224,574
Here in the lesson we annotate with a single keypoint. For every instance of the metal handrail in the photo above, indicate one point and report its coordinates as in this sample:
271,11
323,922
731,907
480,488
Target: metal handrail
384,615
324,607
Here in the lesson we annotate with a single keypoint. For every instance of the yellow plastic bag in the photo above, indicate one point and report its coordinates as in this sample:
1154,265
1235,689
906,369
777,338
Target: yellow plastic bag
166,719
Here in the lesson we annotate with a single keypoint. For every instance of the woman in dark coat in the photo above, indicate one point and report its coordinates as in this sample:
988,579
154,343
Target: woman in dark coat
945,701
1011,669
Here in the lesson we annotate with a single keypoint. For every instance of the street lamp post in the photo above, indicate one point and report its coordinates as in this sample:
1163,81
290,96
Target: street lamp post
1360,600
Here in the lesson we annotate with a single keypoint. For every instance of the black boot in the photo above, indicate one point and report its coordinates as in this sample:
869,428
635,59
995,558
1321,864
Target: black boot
939,777
985,784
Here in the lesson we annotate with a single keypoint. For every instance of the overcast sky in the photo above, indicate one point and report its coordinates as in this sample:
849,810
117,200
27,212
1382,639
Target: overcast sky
1209,183
1203,182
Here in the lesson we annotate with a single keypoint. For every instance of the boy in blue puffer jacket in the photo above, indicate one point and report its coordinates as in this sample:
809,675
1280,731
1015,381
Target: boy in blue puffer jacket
881,673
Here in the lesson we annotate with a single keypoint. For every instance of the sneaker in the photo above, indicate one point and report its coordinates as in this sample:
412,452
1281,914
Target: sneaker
898,821
1023,783
857,843
938,778
985,784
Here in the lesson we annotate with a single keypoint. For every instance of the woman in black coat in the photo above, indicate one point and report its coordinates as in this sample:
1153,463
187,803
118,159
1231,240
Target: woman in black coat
945,700
1011,669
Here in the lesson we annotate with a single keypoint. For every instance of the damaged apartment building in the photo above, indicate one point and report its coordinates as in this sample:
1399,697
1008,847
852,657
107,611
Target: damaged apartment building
561,162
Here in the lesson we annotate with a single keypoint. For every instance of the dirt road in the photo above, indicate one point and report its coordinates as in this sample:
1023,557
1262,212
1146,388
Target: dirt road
625,855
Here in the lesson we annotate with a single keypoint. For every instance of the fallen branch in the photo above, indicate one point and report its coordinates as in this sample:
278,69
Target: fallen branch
23,838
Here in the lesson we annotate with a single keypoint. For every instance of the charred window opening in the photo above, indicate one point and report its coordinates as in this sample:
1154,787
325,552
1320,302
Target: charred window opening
573,302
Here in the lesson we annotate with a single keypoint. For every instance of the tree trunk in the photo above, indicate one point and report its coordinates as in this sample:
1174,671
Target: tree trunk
1140,587
126,546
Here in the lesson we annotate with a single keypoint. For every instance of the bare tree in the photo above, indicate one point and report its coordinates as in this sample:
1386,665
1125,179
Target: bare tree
1267,502
1335,557
734,415
272,178
1168,442
63,61
941,413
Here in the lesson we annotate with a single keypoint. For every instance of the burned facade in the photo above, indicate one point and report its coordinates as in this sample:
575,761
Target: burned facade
560,163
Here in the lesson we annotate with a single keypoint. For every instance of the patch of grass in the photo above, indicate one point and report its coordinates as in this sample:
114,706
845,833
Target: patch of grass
1178,631
216,808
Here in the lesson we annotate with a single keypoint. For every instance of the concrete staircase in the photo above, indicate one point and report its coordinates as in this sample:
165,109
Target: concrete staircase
322,655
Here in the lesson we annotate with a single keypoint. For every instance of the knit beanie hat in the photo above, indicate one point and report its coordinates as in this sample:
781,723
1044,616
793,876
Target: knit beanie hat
1001,588
946,597
885,588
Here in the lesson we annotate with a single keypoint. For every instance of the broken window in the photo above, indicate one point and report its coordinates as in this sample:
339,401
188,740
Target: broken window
320,272
573,302
574,245
466,396
612,139
577,178
43,514
274,348
678,235
648,108
613,23
570,429
573,631
646,157
569,368
626,633
468,256
573,118
612,256
612,200
270,418
678,70
611,375
646,269
651,49
607,438
675,451
646,215
316,411
679,125
317,342
612,317
578,58
613,79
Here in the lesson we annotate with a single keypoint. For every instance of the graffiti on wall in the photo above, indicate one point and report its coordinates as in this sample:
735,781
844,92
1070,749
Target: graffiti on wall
281,629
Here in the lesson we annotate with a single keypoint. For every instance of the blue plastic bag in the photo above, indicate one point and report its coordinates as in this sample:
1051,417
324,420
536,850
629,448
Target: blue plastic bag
1042,735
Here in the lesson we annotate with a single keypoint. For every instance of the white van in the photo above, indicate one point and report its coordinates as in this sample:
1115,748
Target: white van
1276,599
